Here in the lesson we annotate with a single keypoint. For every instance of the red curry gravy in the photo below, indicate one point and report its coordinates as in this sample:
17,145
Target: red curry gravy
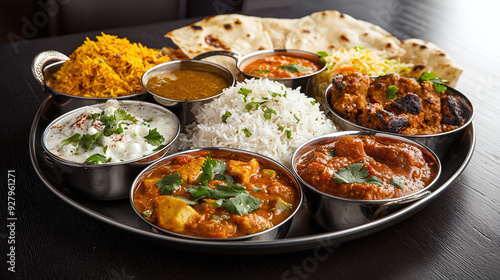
281,66
367,168
274,197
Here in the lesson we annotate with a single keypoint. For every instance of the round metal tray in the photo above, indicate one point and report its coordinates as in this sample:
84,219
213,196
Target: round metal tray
304,233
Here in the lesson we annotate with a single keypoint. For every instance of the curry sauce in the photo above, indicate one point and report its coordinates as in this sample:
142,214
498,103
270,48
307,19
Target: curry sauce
281,66
367,168
216,196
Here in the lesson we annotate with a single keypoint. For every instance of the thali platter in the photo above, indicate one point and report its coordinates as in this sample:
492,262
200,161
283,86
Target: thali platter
304,233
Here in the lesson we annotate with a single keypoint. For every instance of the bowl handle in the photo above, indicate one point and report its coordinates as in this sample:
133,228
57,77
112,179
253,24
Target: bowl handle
382,209
235,56
40,60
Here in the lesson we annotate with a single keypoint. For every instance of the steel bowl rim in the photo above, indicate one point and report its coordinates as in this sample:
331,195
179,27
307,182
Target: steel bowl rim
112,164
338,134
421,136
173,62
55,92
272,51
186,152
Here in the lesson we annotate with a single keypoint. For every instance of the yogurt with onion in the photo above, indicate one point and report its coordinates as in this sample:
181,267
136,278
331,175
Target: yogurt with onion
111,132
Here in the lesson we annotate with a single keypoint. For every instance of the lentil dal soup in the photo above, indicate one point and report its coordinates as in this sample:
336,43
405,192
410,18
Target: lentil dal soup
187,84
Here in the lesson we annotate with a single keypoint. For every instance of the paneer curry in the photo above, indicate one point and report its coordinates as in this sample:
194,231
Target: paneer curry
215,194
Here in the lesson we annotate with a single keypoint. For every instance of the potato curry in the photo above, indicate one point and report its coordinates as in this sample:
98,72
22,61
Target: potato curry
215,196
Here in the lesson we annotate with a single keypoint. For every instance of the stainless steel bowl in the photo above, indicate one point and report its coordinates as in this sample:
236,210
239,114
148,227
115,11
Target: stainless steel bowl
109,181
439,143
183,108
41,71
336,213
304,82
278,231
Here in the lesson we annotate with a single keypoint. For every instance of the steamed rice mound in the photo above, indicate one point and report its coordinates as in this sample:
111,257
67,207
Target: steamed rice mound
261,116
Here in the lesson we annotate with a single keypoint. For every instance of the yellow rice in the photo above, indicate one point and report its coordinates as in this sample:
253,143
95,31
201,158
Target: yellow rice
107,67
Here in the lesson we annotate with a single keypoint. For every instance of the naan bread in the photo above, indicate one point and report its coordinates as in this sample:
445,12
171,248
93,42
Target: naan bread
427,56
278,28
233,32
330,30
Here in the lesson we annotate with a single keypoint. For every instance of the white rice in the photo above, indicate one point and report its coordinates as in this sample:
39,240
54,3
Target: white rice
296,112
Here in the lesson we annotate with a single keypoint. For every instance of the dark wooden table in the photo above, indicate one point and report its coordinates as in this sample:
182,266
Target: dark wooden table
455,237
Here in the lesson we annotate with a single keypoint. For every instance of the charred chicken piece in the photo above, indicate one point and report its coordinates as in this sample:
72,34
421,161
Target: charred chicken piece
409,103
454,111
376,117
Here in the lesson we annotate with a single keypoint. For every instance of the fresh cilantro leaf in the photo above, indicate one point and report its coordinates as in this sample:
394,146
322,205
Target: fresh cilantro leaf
294,68
94,116
96,159
224,178
73,140
87,141
210,168
122,115
281,128
273,94
322,55
268,113
242,204
154,137
244,92
159,148
105,149
247,132
356,173
437,83
397,182
427,76
169,183
250,105
439,87
263,71
226,115
188,201
391,92
374,180
112,122
256,189
333,153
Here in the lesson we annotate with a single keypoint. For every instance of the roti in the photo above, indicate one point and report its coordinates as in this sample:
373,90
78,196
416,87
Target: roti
330,30
233,32
427,56
325,31
278,28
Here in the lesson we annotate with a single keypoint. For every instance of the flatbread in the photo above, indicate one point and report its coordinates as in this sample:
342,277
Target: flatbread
427,56
278,28
330,30
233,32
